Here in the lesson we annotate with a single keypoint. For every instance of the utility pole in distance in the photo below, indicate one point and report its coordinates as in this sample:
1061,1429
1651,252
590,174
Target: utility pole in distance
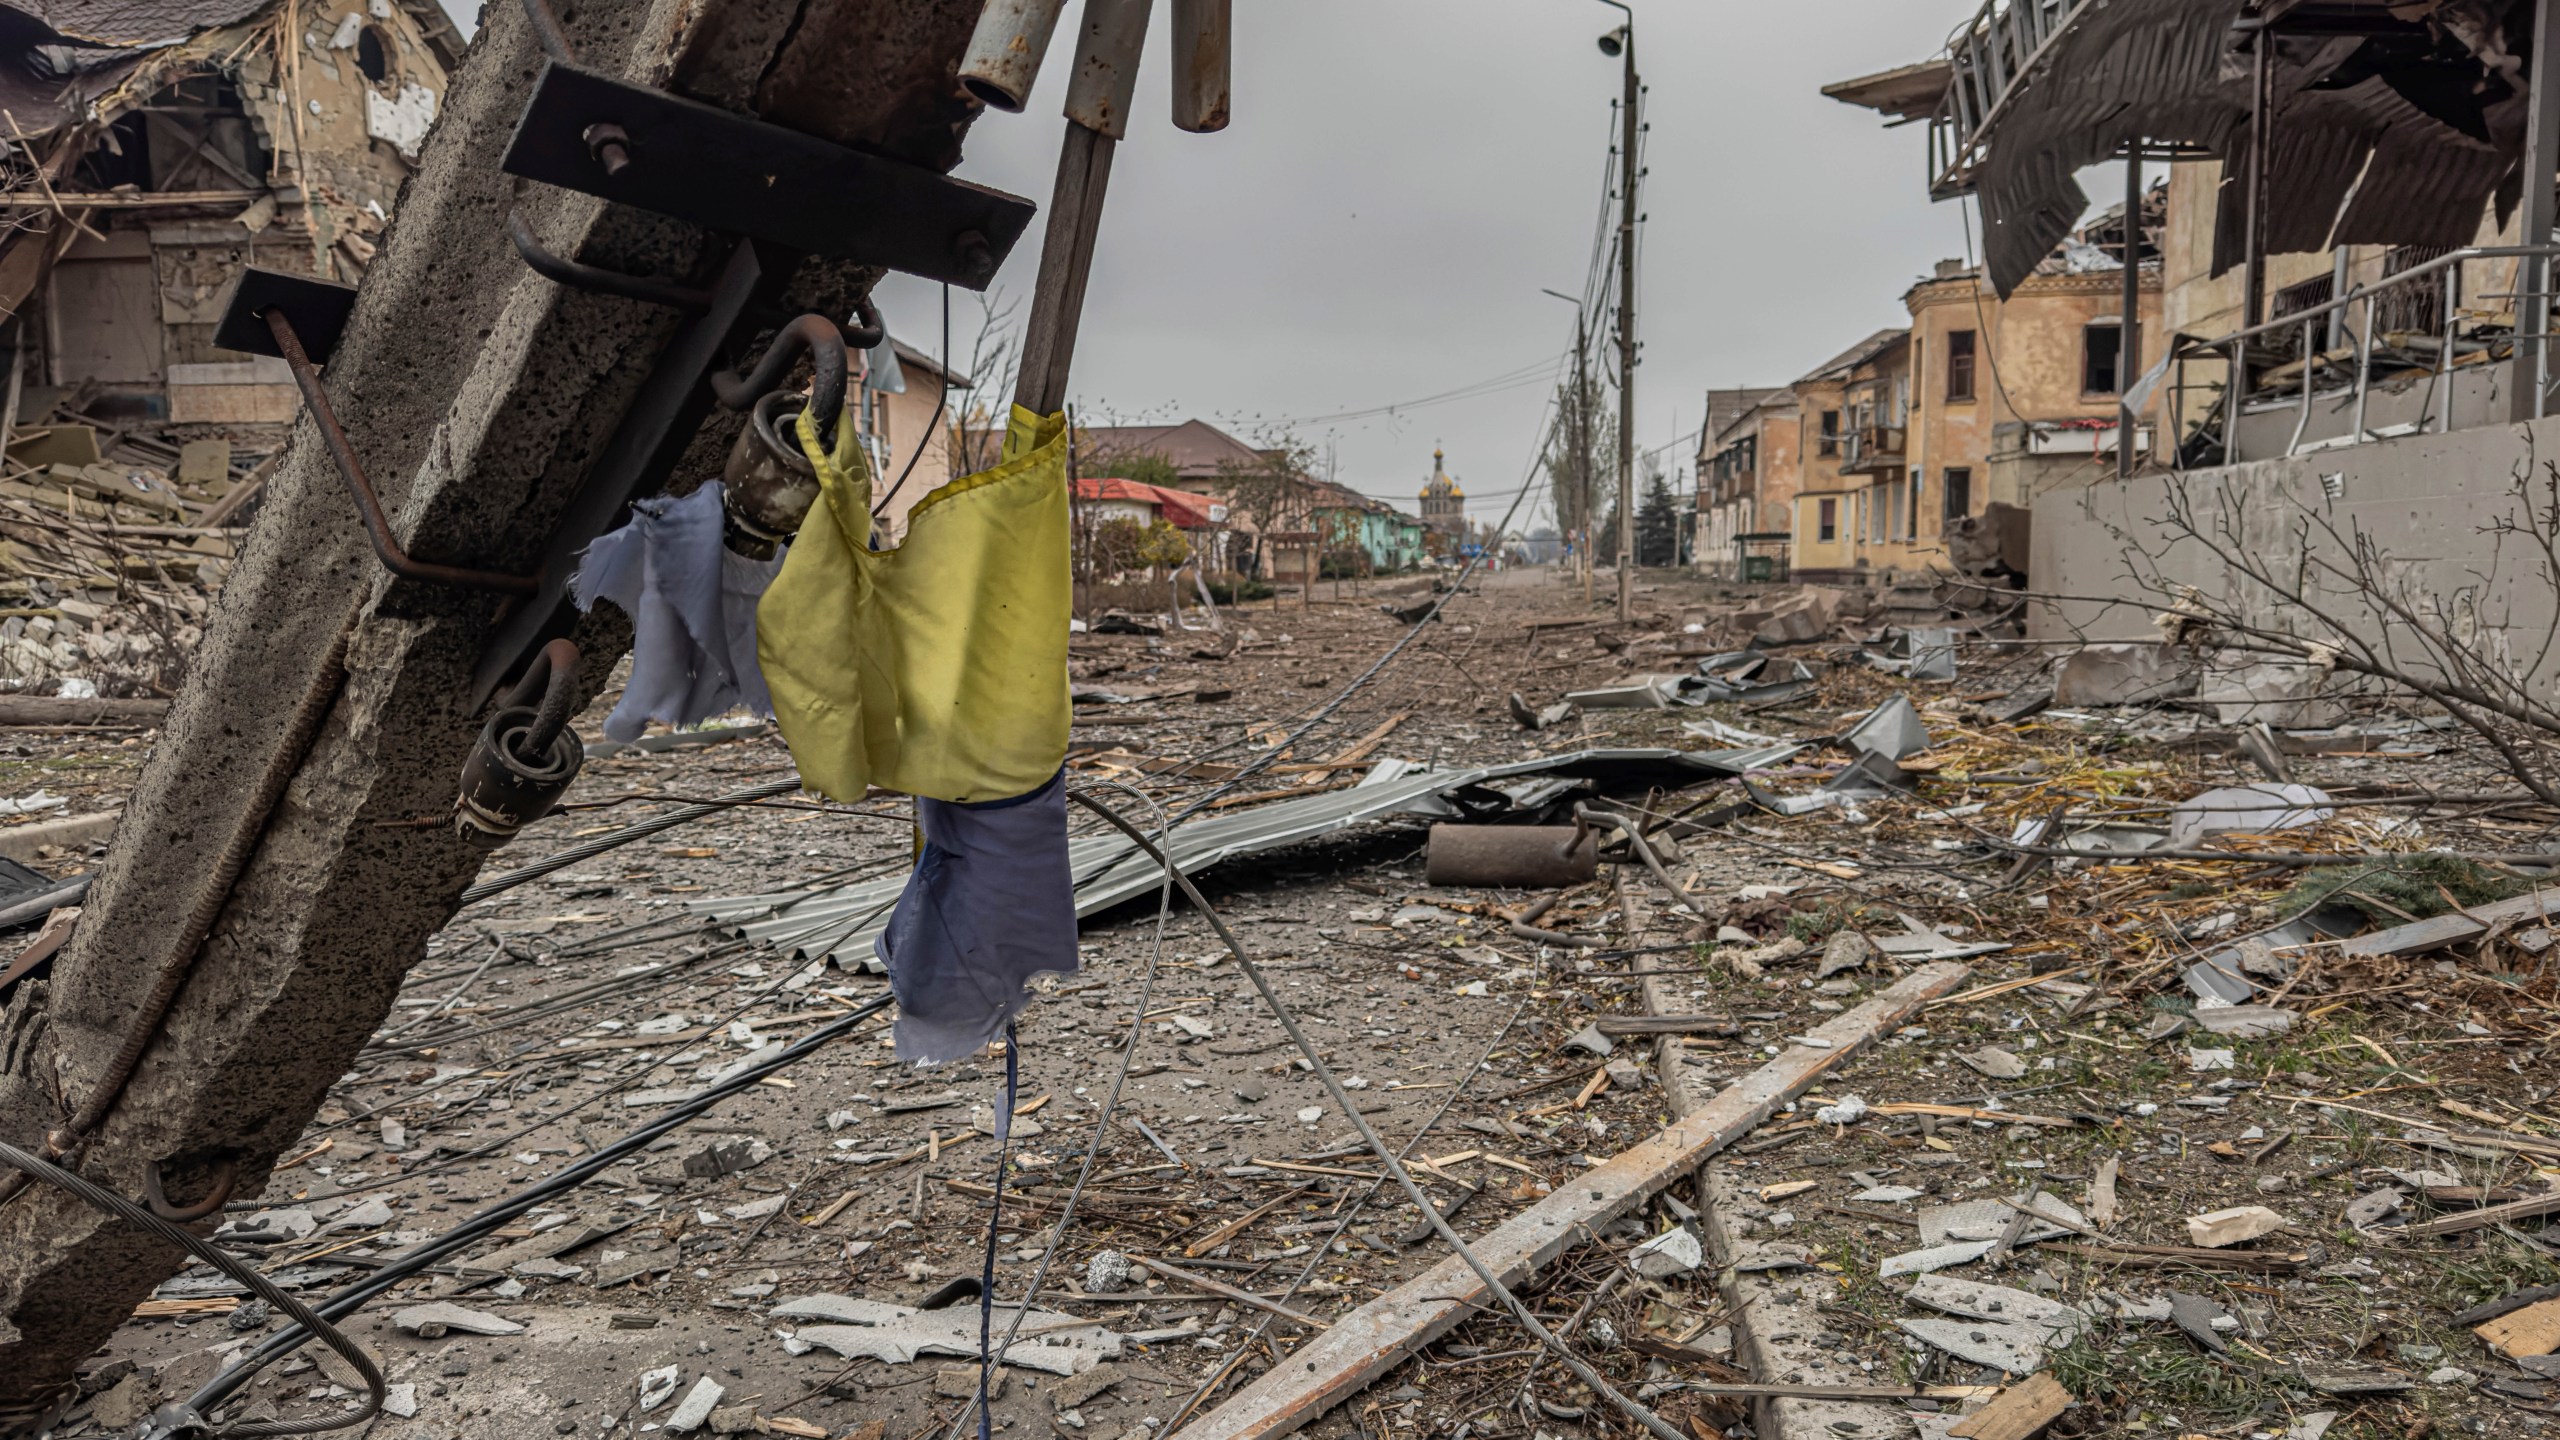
1577,418
1621,42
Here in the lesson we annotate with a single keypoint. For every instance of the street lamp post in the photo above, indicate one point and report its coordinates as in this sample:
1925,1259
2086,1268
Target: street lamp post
1621,42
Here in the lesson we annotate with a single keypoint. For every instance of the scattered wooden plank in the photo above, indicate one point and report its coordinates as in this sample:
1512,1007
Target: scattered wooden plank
2533,1330
2451,928
2017,1412
2140,1257
1232,1228
2507,1304
1669,1025
54,710
2546,1203
1224,1291
1372,1340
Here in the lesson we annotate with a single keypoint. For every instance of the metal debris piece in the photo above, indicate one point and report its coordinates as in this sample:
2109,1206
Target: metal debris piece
430,1322
1893,730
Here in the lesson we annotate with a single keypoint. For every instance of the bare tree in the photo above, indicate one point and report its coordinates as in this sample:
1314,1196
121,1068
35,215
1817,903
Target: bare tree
995,359
2304,584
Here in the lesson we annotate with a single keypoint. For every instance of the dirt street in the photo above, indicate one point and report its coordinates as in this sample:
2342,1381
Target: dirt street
2071,1073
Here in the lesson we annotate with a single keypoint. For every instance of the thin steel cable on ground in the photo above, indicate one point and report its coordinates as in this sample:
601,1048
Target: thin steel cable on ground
346,1300
1316,1261
589,849
311,1323
1661,1429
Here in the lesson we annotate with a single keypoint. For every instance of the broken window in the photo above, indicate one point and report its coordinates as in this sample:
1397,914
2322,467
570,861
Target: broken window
373,55
1957,489
2101,345
1829,445
1826,520
1959,364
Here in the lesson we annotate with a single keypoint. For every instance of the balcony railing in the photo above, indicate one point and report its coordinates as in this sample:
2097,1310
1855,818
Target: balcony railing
1871,448
2287,353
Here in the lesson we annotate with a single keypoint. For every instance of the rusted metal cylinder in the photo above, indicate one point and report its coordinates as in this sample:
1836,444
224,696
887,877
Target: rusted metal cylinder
1535,857
1203,37
1108,40
1004,53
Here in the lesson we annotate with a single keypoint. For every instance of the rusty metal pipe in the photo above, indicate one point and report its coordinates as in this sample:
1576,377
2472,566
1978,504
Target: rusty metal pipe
1105,80
1203,61
1542,857
368,503
1004,55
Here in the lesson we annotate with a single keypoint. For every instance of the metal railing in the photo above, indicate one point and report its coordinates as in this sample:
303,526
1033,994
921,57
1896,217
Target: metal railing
2387,297
1988,58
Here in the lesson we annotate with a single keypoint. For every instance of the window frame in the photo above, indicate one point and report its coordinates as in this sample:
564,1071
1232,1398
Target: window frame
1963,349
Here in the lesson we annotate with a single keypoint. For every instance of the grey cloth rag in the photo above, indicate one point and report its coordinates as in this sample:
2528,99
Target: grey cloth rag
990,907
692,603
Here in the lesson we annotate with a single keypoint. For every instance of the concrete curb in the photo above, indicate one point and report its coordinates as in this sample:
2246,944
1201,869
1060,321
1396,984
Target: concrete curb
20,842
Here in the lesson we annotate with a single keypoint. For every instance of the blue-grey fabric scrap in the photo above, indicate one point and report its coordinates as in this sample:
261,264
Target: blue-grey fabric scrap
990,907
692,603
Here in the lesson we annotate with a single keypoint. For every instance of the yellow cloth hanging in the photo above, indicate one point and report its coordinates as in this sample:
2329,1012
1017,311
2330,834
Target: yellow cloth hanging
938,668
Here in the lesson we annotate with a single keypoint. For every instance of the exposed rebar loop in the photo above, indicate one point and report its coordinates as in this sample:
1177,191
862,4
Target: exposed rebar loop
156,1196
578,275
553,676
377,525
179,1419
827,345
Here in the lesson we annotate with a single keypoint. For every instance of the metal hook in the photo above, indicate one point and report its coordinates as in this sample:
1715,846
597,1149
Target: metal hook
224,1176
827,346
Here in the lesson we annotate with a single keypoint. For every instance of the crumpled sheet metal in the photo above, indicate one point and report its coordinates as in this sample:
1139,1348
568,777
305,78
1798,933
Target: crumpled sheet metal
2353,164
838,922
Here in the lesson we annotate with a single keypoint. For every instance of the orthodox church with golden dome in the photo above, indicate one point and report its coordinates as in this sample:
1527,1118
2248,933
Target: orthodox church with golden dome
1444,504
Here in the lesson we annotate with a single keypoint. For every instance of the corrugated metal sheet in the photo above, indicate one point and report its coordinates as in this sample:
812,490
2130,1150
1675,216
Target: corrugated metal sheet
2354,160
838,923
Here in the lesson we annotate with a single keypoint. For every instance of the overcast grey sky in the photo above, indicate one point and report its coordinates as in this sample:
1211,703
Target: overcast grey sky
1401,179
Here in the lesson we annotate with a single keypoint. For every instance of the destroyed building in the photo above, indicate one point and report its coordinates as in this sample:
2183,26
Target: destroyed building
2355,257
158,149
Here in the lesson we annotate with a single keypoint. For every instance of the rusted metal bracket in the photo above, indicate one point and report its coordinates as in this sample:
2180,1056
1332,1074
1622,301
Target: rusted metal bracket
266,315
377,526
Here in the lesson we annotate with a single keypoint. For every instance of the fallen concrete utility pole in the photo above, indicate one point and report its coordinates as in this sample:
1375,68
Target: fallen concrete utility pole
480,396
1368,1342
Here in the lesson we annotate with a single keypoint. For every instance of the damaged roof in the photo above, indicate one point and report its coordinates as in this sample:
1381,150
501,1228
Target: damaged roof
1839,366
2387,130
129,23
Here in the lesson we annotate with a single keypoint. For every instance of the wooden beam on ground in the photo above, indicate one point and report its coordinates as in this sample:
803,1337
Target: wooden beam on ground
1373,1339
2451,928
